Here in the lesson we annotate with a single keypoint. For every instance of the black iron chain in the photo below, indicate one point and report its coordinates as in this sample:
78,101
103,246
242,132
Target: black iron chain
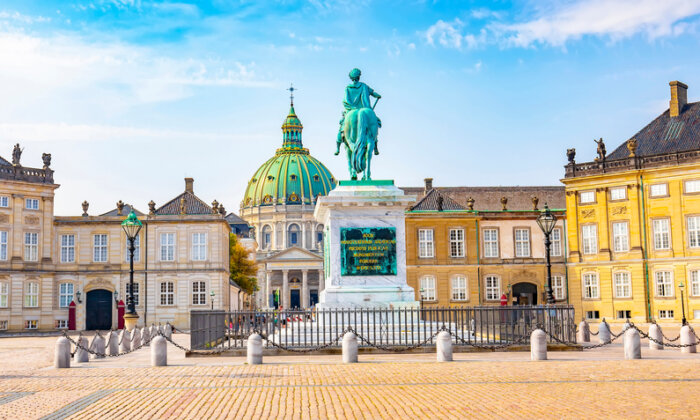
89,350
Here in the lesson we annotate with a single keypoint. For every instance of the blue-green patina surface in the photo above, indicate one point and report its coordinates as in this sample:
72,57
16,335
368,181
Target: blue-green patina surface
368,251
359,126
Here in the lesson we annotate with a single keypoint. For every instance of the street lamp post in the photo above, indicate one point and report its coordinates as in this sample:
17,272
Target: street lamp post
546,220
682,286
212,299
131,225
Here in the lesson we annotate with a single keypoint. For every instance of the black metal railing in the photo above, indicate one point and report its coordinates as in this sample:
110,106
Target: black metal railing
307,329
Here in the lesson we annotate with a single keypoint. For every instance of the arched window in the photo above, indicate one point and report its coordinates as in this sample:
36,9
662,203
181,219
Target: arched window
266,237
319,235
293,235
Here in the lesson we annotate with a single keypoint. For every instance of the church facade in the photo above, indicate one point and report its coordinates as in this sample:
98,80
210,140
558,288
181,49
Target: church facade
278,206
47,261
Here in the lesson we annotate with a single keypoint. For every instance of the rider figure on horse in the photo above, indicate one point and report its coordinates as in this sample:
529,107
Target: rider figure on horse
356,97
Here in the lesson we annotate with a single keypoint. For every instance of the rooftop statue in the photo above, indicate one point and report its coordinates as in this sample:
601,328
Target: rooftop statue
359,126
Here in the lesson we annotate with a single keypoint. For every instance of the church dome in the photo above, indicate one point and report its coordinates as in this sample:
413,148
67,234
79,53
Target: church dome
292,175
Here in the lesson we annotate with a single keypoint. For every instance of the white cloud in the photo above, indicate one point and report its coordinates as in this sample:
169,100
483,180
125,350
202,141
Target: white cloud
449,35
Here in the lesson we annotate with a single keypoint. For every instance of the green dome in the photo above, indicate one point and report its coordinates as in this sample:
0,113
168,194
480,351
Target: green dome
292,175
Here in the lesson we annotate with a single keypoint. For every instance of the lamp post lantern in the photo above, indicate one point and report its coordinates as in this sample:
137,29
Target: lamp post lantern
212,294
682,286
546,220
131,225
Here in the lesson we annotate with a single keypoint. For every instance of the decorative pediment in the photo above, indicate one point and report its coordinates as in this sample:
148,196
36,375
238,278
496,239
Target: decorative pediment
294,254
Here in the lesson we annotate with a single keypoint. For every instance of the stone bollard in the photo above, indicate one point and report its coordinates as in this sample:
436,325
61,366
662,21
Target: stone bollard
625,327
255,349
159,351
687,337
168,331
124,341
113,343
98,346
538,345
349,347
584,332
136,338
444,347
603,332
82,355
61,353
655,333
632,344
145,336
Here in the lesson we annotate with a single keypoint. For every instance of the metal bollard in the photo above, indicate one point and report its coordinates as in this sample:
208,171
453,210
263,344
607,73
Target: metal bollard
159,351
584,332
603,332
82,355
687,337
136,338
124,341
538,345
443,347
349,347
655,333
61,353
113,343
145,336
255,349
98,346
632,345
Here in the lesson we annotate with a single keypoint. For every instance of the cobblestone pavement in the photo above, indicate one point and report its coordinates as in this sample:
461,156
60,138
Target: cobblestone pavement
591,384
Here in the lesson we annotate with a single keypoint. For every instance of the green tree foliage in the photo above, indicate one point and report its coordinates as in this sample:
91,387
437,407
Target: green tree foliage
243,268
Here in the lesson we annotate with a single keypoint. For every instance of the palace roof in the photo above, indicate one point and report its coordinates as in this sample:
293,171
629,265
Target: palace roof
125,211
488,198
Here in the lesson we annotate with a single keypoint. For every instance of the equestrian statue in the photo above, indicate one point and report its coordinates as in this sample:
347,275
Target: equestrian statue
358,127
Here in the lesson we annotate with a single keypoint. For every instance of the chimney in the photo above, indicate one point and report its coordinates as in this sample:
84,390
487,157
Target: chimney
679,97
428,185
189,182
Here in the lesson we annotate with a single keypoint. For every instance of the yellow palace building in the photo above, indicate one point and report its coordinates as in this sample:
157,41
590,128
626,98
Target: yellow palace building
633,221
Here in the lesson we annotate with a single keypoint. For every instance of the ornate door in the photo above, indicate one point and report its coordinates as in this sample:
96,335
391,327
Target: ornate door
98,310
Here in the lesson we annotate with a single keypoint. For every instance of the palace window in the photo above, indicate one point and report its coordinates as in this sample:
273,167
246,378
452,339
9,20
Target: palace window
4,294
587,197
624,314
558,287
493,287
99,248
31,295
592,315
137,249
591,289
618,193
620,237
167,293
555,249
662,235
167,247
658,190
199,293
199,246
522,243
425,243
3,245
695,283
127,292
622,284
32,204
4,201
590,239
427,286
31,324
31,246
456,243
692,186
694,231
459,288
61,324
664,284
490,243
666,314
67,248
65,294
3,325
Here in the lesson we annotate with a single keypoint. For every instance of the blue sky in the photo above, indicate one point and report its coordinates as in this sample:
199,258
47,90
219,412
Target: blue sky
132,96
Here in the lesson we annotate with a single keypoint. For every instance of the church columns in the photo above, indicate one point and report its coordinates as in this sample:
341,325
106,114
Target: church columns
268,289
285,243
285,289
313,236
303,235
321,281
305,289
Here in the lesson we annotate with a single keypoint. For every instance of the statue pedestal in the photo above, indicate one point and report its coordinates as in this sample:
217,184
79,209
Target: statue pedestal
365,246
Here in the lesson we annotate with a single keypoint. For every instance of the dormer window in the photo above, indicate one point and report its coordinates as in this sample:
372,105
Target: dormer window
270,178
293,177
316,178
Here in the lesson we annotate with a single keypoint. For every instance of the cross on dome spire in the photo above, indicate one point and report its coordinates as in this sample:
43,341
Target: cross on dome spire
291,93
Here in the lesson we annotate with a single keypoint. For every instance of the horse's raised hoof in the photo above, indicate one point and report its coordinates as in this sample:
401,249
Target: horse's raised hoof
336,153
354,178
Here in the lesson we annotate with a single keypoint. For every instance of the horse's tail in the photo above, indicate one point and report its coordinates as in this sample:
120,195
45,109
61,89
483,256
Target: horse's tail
363,134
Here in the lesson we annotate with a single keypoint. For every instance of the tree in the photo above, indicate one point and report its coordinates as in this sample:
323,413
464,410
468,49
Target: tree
243,268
